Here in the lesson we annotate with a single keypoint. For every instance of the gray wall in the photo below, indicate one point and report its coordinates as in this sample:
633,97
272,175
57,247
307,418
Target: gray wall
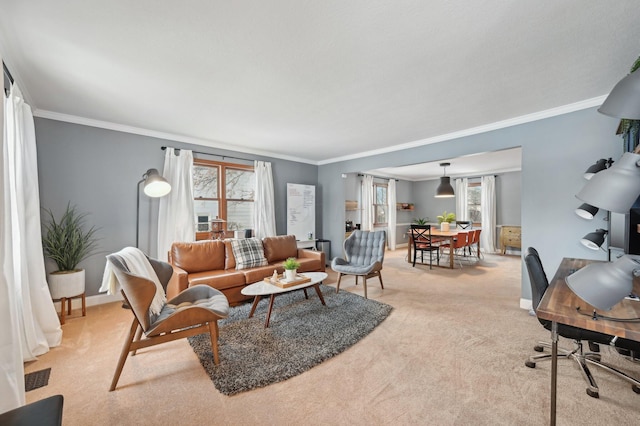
508,194
97,170
555,153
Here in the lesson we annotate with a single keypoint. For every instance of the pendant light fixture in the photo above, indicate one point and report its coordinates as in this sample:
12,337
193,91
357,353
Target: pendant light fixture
445,190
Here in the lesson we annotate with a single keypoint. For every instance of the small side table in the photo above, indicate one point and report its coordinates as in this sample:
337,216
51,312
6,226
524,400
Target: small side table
68,310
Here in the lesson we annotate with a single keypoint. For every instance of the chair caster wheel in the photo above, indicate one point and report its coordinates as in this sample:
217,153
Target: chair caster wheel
530,364
538,348
635,388
593,394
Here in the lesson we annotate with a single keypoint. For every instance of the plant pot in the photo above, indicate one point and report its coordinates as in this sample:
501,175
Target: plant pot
66,283
290,274
445,226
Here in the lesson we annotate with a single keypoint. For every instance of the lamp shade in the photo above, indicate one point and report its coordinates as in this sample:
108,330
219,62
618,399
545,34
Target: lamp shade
616,188
155,185
624,99
445,190
594,240
604,284
599,166
587,211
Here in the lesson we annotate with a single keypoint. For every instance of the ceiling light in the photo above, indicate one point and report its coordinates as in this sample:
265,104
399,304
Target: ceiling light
445,190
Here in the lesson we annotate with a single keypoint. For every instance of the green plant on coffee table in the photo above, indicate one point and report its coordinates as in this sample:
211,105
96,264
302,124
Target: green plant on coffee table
446,217
421,220
68,241
291,264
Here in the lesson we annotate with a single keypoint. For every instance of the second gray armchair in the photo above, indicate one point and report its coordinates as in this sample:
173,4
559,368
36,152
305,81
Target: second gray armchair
364,254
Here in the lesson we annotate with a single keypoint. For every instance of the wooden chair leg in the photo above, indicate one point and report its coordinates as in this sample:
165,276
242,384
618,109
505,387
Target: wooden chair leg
123,355
213,333
137,338
380,278
364,281
62,309
338,285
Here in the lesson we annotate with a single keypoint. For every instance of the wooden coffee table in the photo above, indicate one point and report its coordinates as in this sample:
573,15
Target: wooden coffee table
264,288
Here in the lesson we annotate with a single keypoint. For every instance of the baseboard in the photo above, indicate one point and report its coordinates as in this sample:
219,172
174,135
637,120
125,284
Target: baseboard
525,304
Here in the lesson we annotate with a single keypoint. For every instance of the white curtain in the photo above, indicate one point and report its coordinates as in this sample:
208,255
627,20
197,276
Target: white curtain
30,324
391,221
176,217
264,217
488,207
462,204
367,203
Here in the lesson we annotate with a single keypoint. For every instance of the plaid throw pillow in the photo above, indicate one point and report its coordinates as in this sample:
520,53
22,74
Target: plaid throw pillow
248,252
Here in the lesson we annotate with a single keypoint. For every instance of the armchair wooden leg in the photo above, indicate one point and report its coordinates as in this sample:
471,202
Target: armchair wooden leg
213,333
380,278
123,355
364,280
338,285
138,337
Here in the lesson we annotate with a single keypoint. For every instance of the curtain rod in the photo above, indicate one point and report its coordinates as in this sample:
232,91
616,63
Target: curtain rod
380,177
215,155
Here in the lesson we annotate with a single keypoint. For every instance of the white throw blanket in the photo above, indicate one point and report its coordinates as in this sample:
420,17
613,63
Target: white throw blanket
138,264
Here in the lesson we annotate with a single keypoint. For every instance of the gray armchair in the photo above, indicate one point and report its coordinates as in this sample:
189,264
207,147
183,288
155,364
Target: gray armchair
364,252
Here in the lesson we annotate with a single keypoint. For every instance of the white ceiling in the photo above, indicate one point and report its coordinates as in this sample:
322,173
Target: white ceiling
315,81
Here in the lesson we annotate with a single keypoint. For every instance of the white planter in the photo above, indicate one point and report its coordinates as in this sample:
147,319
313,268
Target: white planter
445,226
66,283
290,274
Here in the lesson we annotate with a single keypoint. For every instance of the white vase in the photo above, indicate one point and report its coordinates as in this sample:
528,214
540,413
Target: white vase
290,274
66,283
444,226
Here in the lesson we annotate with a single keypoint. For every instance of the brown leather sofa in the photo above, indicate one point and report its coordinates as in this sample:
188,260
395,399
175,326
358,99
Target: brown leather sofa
212,262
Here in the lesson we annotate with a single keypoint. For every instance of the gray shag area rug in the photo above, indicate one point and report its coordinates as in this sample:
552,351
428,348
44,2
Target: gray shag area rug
302,333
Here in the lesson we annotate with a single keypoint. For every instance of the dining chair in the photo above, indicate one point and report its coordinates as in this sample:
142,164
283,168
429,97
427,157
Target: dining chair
422,241
460,242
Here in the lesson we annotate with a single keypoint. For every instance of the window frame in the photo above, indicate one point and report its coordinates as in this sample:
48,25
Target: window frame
222,191
385,205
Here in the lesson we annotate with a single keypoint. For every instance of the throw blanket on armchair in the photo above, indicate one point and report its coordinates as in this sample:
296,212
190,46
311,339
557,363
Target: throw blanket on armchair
138,264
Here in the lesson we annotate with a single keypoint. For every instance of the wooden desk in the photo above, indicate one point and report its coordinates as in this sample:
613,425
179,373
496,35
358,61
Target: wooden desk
559,306
445,236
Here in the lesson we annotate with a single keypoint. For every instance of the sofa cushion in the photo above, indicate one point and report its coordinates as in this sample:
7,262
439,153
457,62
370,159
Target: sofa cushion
279,248
230,260
248,252
218,279
198,256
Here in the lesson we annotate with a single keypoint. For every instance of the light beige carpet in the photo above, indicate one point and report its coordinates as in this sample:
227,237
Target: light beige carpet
452,352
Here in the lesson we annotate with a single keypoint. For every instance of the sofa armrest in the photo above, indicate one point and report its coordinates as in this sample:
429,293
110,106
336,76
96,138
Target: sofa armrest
179,281
313,254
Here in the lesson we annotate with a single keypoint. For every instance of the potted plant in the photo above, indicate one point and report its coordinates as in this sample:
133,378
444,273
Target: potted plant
445,220
290,266
67,242
420,220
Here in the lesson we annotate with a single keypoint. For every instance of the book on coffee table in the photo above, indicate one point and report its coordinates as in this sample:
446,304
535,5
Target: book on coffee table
283,283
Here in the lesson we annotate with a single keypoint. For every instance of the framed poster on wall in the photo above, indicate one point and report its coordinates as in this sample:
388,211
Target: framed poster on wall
301,211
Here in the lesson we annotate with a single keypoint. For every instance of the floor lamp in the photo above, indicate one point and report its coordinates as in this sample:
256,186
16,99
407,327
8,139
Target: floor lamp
155,186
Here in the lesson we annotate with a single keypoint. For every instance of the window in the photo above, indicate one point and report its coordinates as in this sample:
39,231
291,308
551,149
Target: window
380,206
224,191
474,191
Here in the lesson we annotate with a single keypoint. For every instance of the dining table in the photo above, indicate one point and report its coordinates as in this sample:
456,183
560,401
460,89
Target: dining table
446,237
